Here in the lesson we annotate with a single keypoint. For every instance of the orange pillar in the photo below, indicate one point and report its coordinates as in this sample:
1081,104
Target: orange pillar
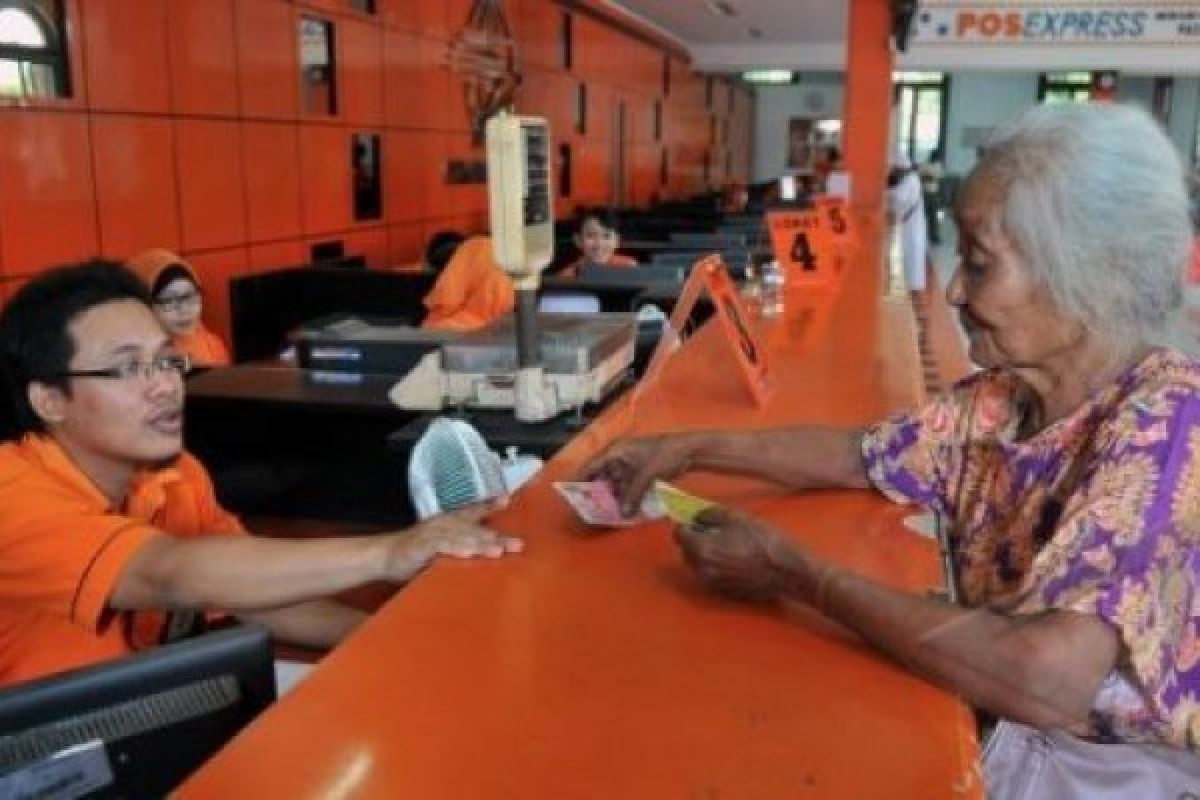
866,113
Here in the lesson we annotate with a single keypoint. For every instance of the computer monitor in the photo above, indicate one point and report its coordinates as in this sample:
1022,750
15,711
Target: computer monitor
138,726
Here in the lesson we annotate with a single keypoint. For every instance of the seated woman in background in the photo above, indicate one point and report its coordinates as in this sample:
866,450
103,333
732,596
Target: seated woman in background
178,303
598,240
735,199
472,290
1067,472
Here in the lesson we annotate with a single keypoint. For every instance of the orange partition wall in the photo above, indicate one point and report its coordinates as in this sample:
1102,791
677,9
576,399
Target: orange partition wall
186,130
867,104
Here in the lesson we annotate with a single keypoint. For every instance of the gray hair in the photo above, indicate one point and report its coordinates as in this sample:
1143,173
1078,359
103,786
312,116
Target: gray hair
1093,196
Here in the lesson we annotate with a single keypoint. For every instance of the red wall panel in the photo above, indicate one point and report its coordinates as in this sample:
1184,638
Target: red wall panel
406,245
268,52
212,190
372,243
135,184
203,57
402,89
214,270
325,178
404,184
277,255
184,130
360,72
271,153
125,55
47,194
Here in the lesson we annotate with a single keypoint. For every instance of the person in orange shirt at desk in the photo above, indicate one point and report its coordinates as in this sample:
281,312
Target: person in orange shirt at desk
472,291
111,538
598,240
178,303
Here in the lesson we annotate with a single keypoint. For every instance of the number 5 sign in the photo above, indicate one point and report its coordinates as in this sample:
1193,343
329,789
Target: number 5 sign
804,247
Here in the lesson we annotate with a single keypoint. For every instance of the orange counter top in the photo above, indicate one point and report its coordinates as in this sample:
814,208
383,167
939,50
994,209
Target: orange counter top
592,666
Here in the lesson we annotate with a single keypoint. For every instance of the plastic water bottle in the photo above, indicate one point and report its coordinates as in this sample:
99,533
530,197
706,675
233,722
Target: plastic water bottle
772,289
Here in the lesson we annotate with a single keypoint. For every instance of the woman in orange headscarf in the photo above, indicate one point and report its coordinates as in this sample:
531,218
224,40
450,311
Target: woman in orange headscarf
472,291
175,293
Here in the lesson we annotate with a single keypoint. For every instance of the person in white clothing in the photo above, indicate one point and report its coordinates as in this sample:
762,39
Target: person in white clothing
906,209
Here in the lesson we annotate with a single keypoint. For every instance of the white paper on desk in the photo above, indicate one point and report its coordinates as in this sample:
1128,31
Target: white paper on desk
596,504
924,524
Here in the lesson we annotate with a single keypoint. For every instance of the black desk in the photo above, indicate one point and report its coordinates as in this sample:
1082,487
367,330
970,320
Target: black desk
289,442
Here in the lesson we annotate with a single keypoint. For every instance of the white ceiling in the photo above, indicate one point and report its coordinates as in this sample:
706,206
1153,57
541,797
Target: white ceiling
808,34
700,23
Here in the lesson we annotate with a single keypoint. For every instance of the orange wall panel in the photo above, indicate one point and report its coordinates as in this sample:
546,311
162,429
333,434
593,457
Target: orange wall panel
47,195
404,14
433,19
268,52
441,103
271,154
323,6
125,55
403,91
406,245
372,243
131,161
537,27
214,269
325,178
404,184
135,184
277,255
360,72
430,153
469,197
212,190
203,57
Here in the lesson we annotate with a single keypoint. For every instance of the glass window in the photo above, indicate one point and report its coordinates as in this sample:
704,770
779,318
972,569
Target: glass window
368,186
920,113
318,88
33,61
1065,87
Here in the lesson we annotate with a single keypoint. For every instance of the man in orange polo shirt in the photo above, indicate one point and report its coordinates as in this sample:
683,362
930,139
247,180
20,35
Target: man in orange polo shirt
110,535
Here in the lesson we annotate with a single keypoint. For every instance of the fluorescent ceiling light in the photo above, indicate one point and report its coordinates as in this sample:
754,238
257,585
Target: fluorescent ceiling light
721,8
768,76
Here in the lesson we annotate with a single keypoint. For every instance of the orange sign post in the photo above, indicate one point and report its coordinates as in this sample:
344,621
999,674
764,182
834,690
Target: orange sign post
712,276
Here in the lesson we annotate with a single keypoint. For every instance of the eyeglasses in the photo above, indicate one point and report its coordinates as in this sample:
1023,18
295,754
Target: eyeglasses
178,364
179,302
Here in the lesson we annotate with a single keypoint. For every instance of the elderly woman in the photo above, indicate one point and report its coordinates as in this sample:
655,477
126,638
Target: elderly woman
1068,470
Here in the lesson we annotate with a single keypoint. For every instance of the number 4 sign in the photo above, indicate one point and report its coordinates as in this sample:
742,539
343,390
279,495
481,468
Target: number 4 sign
804,247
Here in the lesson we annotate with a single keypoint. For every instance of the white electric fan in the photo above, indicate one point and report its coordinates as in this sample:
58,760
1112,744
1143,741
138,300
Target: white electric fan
451,467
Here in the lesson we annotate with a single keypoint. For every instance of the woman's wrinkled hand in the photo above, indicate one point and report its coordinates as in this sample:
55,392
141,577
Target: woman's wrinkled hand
633,465
736,555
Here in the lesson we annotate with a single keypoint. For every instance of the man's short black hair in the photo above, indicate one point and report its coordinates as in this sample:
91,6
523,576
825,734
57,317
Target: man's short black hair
441,248
603,215
35,340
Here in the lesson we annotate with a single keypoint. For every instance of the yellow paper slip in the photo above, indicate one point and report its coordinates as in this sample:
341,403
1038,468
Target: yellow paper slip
680,506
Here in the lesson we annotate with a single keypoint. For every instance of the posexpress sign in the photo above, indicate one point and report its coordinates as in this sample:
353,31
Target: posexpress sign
1082,23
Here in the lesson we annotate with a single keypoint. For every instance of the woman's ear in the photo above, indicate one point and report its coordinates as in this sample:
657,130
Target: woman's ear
48,402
